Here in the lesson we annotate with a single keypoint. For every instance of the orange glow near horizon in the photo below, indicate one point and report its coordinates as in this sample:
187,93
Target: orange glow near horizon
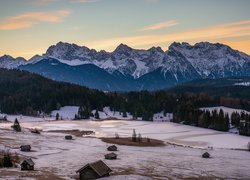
29,27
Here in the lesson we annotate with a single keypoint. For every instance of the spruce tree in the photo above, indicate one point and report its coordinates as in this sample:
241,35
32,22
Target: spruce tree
7,160
97,115
57,116
16,126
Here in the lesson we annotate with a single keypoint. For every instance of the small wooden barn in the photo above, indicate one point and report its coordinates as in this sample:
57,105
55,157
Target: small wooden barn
112,148
94,170
68,137
35,131
26,148
111,156
27,165
206,155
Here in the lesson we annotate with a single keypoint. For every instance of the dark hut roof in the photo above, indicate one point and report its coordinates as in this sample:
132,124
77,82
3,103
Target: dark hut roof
25,146
99,167
112,148
29,161
111,155
68,137
206,155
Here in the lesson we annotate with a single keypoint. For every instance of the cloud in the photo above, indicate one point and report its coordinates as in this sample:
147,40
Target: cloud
43,2
159,26
29,19
211,33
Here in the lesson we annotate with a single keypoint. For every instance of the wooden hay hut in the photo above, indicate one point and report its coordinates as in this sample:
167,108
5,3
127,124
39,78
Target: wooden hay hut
111,156
25,148
27,165
112,148
68,137
206,155
35,131
94,170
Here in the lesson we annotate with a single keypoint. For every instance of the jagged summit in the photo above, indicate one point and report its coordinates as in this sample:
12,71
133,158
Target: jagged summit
156,49
182,62
8,62
179,45
66,51
122,48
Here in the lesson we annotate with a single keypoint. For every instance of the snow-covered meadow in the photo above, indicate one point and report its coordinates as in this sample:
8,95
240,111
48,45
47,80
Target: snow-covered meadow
62,157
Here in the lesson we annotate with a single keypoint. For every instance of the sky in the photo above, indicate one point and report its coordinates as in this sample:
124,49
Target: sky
29,27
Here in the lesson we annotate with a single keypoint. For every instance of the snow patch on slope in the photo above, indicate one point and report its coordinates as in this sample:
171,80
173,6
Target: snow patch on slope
242,84
108,114
66,112
161,117
225,110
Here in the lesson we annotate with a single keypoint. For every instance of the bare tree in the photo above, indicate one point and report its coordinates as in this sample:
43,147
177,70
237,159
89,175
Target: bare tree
134,136
117,136
139,137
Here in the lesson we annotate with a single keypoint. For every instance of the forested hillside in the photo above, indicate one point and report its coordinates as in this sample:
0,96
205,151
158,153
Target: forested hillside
25,93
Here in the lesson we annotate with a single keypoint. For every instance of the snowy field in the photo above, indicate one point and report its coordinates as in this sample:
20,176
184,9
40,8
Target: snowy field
54,154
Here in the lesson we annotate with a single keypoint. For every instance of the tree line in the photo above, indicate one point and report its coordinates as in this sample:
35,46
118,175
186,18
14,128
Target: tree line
30,94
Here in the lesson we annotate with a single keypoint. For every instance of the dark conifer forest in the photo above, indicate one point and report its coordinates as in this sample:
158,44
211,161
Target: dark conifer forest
30,94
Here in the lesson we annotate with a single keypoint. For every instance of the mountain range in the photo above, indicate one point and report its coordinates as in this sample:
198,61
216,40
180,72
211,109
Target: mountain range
128,69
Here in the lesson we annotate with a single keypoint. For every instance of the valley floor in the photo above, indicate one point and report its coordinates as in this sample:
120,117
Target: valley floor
59,158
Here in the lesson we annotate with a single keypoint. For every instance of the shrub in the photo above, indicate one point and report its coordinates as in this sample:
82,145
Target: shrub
7,160
117,136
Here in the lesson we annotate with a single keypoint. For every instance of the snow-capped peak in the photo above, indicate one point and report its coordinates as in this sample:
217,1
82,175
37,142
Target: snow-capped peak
212,60
202,60
207,59
122,48
9,62
156,49
67,51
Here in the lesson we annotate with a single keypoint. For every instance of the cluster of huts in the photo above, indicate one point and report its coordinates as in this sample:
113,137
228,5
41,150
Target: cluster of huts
93,170
27,164
97,169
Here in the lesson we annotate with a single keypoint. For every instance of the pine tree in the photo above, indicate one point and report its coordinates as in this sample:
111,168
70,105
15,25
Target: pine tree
97,115
235,119
124,114
226,122
57,116
84,112
16,126
7,160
